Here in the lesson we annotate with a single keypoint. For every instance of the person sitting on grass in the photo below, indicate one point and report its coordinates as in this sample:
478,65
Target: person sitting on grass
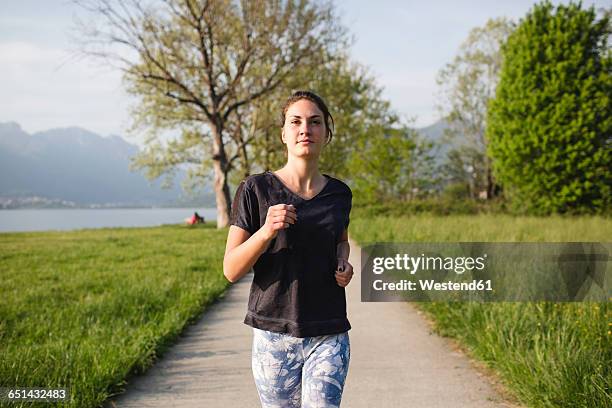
194,219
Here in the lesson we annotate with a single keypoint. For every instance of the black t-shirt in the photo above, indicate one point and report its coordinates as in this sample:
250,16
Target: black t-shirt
294,290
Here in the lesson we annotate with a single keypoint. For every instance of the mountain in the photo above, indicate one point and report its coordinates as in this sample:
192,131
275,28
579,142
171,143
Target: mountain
435,133
75,167
80,168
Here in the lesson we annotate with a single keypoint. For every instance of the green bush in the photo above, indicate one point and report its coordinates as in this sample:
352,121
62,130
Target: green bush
550,123
444,205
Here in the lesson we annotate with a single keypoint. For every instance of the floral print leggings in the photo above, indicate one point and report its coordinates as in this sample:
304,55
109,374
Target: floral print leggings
300,372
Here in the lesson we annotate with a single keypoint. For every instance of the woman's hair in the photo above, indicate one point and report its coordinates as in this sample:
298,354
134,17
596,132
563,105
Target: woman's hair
317,100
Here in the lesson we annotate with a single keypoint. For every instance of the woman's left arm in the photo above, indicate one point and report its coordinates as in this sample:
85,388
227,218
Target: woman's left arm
344,270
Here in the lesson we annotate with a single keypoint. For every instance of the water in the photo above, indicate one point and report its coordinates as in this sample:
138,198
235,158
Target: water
70,219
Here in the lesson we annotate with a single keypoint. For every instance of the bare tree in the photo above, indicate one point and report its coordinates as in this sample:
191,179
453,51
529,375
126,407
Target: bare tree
197,66
467,84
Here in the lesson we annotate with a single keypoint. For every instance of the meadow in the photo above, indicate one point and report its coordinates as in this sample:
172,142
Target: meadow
83,310
548,354
87,309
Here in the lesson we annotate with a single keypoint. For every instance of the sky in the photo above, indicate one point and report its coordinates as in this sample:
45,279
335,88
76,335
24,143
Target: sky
403,43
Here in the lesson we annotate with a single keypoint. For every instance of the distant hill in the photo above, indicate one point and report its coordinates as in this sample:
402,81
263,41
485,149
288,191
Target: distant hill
75,167
72,166
435,133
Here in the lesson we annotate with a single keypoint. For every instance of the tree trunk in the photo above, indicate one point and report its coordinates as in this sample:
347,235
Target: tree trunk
267,151
245,159
490,182
222,194
221,168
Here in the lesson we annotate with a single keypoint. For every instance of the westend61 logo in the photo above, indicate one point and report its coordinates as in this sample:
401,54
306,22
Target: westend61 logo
486,272
413,264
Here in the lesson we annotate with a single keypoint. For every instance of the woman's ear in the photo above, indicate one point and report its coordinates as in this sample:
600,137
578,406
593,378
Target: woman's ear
283,136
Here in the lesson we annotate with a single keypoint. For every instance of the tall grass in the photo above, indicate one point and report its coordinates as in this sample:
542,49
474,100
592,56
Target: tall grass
483,228
84,309
549,354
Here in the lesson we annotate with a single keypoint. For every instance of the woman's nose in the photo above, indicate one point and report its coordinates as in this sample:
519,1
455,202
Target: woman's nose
305,128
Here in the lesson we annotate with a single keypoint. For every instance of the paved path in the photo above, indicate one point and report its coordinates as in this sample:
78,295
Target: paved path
395,361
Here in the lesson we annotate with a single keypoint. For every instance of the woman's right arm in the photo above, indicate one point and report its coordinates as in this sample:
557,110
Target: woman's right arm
242,249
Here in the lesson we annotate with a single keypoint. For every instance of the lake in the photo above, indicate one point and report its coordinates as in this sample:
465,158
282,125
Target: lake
69,219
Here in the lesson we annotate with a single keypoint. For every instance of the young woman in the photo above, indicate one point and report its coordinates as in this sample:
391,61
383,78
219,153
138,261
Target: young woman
290,226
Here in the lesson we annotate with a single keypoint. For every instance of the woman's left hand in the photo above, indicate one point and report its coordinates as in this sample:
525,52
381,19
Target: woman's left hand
344,272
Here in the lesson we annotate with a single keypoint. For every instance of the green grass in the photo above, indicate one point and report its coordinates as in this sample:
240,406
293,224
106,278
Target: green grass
85,309
549,354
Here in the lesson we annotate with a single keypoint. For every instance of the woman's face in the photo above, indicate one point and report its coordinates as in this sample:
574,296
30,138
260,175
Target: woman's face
304,130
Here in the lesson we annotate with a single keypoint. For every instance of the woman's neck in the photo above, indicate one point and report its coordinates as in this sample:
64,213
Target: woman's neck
303,175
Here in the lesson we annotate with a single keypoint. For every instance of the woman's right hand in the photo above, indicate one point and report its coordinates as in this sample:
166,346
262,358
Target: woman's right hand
242,250
279,217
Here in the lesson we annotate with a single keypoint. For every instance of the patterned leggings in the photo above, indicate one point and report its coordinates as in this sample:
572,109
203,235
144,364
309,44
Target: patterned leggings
300,372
